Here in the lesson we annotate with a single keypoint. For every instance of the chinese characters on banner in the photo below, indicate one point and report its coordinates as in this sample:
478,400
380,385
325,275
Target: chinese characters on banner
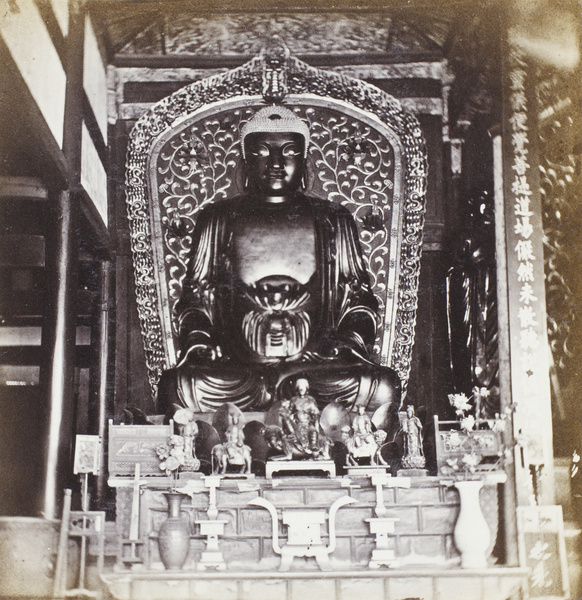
542,549
526,287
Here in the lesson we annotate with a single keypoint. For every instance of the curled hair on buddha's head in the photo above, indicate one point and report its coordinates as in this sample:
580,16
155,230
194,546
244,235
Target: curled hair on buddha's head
275,119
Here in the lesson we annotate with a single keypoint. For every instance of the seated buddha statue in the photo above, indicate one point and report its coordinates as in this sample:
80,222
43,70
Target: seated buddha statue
276,290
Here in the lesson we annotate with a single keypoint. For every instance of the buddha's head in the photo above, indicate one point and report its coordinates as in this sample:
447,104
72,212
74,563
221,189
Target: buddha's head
274,145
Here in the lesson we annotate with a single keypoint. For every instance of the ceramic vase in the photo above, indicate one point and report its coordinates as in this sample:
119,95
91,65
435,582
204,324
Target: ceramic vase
471,533
174,534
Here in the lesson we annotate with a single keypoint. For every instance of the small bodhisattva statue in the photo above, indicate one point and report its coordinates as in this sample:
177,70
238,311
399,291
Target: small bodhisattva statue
413,457
276,289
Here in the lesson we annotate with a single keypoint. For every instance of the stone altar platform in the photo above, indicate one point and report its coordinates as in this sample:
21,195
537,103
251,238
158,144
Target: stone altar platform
423,510
400,584
426,511
422,576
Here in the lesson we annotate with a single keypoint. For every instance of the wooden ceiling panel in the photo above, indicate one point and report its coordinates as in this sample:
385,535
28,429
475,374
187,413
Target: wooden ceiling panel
168,30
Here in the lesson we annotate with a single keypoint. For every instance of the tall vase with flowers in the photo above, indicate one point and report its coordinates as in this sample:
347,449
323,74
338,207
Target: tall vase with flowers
174,533
473,452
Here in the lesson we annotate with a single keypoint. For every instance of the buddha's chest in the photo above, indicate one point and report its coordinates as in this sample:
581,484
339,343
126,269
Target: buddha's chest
274,243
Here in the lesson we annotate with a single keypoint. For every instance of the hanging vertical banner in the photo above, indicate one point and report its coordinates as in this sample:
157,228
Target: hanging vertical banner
529,351
542,548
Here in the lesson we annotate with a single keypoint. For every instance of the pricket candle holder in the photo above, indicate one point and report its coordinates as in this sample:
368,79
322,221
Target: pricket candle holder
212,557
381,525
212,527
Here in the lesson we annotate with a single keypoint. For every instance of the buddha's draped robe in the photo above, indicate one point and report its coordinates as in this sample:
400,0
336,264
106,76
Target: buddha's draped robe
270,330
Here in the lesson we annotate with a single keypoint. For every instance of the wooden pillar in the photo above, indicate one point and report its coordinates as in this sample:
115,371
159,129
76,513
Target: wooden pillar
98,408
509,490
62,254
528,365
59,341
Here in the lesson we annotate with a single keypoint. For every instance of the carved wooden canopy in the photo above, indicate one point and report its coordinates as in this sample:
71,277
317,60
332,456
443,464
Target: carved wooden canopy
365,153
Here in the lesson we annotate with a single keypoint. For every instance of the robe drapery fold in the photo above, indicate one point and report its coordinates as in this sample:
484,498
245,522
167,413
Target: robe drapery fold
328,324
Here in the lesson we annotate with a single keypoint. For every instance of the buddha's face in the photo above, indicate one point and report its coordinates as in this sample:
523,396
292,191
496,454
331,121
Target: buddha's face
275,162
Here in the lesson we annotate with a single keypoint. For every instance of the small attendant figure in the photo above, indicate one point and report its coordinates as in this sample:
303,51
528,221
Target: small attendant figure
234,441
188,428
298,435
362,425
302,402
233,451
363,446
413,451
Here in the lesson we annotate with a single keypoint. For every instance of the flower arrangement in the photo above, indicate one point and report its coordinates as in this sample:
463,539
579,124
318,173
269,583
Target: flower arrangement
476,445
171,455
178,453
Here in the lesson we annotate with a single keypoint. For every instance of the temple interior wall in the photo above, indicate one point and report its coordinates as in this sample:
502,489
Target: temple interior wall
421,81
71,349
